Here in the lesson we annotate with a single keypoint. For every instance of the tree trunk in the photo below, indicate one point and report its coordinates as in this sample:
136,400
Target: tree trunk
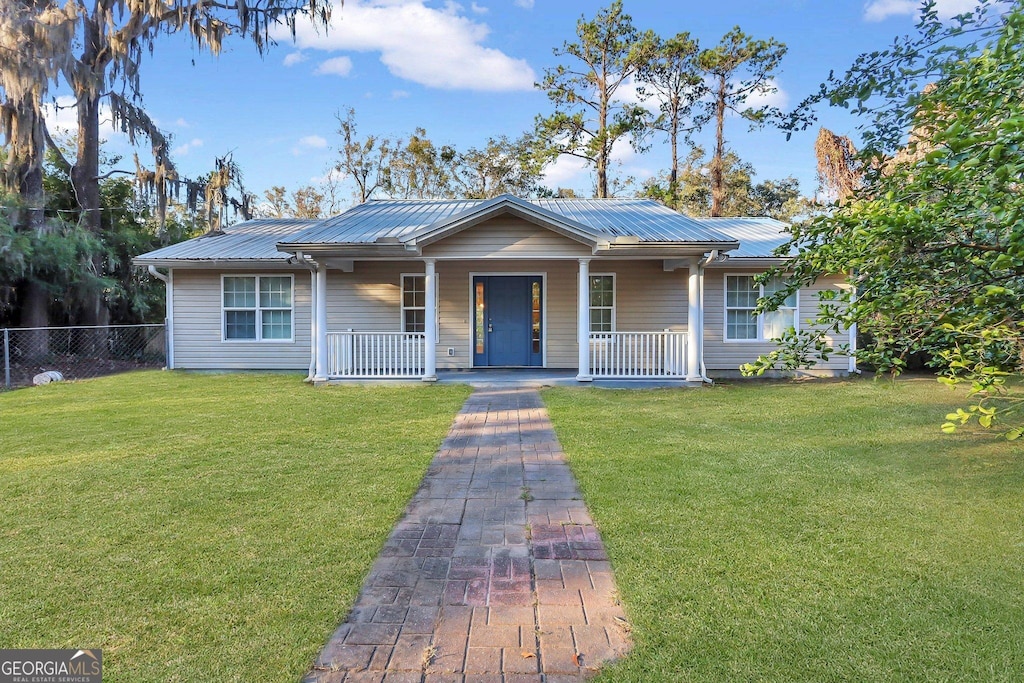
35,304
85,179
85,173
35,300
673,180
717,179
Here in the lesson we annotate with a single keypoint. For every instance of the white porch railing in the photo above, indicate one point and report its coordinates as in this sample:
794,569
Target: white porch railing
365,355
638,355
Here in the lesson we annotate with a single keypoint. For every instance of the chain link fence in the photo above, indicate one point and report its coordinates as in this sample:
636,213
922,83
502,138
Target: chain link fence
79,352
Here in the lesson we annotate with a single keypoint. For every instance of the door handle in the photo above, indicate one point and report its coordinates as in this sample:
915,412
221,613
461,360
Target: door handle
490,328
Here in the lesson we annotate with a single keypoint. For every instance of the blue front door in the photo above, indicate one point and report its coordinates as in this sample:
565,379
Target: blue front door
507,325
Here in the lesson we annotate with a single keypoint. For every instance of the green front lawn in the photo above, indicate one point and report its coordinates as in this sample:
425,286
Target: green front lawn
199,527
804,532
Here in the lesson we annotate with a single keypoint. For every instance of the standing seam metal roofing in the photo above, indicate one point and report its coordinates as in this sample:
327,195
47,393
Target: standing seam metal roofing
645,219
251,240
758,237
368,222
651,222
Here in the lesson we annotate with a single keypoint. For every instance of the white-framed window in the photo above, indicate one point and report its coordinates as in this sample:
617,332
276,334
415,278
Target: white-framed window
257,307
602,302
741,324
414,303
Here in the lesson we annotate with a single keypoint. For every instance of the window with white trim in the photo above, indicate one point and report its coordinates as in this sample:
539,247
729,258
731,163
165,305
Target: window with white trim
742,324
602,303
257,307
414,303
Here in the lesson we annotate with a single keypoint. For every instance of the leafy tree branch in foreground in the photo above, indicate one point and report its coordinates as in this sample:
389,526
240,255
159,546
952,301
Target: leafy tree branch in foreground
933,240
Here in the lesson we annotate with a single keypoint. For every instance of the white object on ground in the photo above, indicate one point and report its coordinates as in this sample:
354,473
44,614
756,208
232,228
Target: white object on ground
47,377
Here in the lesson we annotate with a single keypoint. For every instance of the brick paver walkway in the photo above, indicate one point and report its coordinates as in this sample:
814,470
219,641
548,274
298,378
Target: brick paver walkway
496,572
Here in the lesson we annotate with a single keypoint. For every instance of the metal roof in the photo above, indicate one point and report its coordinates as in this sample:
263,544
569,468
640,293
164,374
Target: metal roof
403,220
255,239
644,219
758,237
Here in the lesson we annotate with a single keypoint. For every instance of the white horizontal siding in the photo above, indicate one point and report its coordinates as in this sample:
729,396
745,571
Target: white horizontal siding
730,355
506,237
367,299
197,327
646,297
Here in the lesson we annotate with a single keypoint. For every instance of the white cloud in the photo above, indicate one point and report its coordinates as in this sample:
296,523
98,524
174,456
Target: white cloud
338,66
181,123
525,4
307,143
771,95
566,171
880,10
313,142
479,9
399,94
293,58
333,175
574,172
184,149
61,118
436,47
622,151
628,93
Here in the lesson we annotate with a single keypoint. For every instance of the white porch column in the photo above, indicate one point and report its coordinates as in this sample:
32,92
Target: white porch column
312,326
320,323
694,321
583,322
430,324
853,337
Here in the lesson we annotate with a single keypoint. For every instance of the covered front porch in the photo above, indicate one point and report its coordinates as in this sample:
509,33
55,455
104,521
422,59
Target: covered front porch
610,289
459,320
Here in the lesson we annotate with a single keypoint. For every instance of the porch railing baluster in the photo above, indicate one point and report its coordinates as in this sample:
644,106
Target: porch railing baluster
392,355
638,355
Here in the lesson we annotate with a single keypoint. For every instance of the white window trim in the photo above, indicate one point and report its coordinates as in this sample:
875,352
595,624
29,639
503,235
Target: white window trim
402,308
259,318
760,318
614,306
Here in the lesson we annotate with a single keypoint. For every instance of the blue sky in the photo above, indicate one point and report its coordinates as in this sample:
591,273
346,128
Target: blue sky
464,71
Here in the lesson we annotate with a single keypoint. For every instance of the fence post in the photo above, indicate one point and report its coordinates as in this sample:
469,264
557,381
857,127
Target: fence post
7,358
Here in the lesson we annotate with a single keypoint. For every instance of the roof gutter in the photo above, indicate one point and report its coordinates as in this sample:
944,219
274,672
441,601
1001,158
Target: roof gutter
666,249
712,256
314,267
353,249
276,262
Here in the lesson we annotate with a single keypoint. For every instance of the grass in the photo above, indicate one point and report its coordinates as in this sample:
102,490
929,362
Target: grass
803,532
201,527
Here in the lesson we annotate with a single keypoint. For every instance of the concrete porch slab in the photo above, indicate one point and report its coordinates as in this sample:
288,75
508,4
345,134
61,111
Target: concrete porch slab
538,377
525,378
